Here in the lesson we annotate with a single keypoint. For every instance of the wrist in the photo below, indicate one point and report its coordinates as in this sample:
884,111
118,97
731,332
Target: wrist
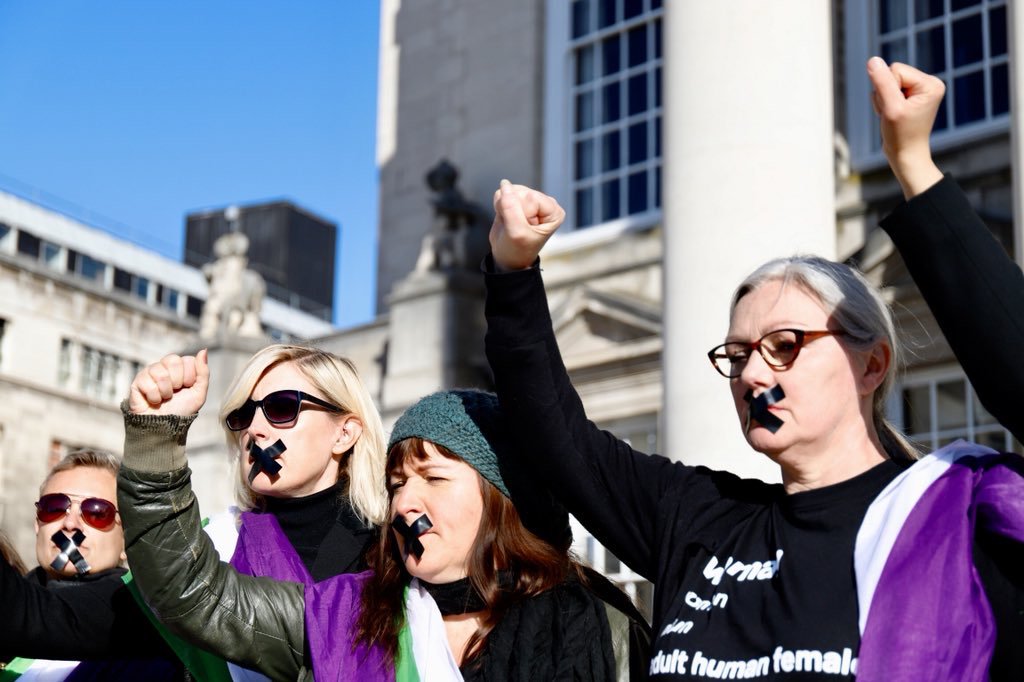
915,171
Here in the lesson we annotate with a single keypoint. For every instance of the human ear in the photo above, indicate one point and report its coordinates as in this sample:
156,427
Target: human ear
349,429
877,362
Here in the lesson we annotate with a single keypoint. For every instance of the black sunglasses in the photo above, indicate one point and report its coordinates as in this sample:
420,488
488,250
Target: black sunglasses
279,407
97,512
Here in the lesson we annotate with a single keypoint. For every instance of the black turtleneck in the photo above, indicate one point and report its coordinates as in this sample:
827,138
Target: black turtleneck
324,531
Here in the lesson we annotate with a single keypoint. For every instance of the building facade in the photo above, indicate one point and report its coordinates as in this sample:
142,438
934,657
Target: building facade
688,142
81,312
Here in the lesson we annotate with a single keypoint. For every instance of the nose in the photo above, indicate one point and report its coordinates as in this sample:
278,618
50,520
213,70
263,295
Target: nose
259,428
407,502
757,373
73,517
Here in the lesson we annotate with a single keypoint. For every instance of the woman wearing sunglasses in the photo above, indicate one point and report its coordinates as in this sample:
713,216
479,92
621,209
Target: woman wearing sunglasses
865,562
309,453
472,581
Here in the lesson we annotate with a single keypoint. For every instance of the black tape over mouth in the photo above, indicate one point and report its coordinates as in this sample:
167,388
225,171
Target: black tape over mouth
758,410
68,547
411,534
265,459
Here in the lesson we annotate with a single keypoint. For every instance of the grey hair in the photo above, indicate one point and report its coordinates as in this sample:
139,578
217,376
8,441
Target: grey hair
858,309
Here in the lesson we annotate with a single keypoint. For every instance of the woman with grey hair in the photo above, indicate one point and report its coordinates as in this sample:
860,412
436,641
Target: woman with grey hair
859,564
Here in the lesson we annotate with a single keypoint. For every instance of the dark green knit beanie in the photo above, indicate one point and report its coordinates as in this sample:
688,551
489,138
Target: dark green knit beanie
465,422
468,423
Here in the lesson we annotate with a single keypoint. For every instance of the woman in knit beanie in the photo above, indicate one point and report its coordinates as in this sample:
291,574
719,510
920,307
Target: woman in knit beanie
471,577
483,558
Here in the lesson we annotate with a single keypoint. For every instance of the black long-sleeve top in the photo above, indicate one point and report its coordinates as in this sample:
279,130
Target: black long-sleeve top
973,288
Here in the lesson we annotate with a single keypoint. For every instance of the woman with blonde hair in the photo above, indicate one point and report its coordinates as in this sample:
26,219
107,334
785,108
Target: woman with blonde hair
353,462
472,581
309,450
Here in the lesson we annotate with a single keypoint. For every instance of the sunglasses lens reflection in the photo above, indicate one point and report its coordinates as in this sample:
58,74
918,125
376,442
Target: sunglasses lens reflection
97,512
281,407
51,507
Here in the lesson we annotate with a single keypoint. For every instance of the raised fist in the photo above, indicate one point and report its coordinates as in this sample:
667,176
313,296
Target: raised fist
907,100
524,220
175,385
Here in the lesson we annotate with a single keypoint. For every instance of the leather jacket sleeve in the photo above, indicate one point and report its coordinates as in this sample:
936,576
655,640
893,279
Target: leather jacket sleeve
255,622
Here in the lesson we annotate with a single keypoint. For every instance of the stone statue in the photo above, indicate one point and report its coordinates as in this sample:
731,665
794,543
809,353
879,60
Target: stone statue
235,294
458,239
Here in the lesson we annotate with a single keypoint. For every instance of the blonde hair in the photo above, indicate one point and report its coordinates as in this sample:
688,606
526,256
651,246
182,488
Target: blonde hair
858,309
338,383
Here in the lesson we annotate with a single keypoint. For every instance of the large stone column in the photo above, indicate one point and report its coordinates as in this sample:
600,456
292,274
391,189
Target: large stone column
1016,35
748,176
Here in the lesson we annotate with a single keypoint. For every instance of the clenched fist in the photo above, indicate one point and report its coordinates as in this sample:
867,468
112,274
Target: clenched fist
175,385
524,220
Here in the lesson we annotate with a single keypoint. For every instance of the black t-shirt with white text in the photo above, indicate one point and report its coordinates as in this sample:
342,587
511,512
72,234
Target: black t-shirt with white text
776,595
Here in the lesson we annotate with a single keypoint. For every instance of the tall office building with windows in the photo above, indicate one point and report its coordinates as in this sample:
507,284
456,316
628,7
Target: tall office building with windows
292,249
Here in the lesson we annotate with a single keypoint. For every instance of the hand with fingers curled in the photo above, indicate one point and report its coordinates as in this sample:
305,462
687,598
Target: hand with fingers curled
524,220
174,385
907,101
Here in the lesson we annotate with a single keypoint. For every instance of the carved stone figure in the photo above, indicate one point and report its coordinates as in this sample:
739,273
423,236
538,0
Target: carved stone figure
236,293
458,239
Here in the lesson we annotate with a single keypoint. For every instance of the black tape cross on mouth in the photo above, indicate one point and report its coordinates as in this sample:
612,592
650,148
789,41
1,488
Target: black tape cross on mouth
264,459
411,534
68,547
759,411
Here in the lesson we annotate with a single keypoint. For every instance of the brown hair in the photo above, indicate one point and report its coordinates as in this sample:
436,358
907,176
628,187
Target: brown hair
502,544
10,555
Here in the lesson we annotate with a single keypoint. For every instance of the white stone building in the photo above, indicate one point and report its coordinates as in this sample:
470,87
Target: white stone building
81,312
689,142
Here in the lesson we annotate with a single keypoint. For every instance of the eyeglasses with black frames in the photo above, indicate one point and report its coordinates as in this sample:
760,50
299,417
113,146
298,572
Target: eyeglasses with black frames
779,349
279,407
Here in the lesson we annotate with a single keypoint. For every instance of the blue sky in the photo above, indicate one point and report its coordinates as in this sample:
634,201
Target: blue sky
140,112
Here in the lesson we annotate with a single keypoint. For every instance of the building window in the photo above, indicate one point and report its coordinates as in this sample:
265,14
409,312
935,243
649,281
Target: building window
937,411
193,307
965,47
86,267
614,50
5,235
167,297
3,334
963,42
140,287
99,374
131,283
50,254
122,280
28,244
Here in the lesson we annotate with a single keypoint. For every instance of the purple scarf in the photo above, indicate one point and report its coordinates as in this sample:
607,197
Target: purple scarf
924,613
332,605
